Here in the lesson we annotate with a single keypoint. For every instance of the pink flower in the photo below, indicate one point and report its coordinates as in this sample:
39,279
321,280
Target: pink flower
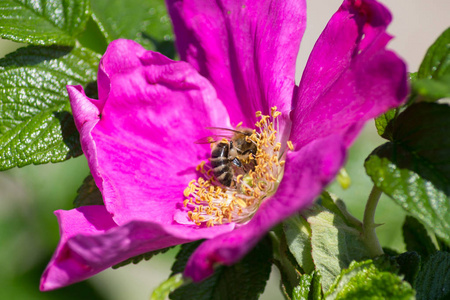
238,58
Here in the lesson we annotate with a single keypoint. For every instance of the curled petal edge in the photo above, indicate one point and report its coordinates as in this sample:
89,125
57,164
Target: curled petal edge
91,242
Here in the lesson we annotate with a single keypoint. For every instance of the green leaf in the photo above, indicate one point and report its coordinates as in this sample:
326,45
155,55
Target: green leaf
243,280
290,271
436,62
409,265
414,169
334,243
43,22
168,286
433,281
316,289
442,245
137,259
36,124
384,123
416,237
298,232
302,290
363,280
88,193
183,255
146,22
92,38
308,288
432,89
338,207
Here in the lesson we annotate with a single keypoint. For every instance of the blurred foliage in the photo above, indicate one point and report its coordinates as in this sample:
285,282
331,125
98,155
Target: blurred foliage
29,231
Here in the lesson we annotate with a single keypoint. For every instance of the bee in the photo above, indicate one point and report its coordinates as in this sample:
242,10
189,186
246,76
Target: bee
231,155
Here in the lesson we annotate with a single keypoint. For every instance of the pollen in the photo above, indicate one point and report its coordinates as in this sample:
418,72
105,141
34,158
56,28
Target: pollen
210,203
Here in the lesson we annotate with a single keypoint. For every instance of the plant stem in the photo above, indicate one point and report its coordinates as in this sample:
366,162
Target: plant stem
370,236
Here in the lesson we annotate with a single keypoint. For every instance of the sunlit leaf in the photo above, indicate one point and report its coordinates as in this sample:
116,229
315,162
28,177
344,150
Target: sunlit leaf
298,235
302,290
168,286
436,62
334,243
36,125
384,123
43,22
363,280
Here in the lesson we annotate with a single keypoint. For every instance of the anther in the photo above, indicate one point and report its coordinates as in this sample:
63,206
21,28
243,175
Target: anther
290,145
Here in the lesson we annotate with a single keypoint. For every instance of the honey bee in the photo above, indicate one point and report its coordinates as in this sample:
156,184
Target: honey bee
231,155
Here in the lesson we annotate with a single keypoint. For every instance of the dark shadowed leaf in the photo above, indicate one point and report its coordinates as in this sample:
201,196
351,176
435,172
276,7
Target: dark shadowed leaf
43,22
243,280
36,124
433,280
416,237
414,169
409,265
137,259
88,193
183,255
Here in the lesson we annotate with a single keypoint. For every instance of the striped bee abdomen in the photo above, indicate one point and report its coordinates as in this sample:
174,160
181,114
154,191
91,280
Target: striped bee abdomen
220,164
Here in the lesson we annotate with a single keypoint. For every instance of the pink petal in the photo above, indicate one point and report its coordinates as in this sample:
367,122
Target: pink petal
121,56
350,77
247,49
141,146
91,242
89,219
307,172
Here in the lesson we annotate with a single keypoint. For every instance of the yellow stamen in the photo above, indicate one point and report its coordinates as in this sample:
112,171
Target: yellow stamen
210,203
290,145
187,191
241,203
238,178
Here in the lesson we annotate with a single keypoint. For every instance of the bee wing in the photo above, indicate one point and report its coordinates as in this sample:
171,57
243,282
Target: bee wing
226,132
221,133
209,139
213,139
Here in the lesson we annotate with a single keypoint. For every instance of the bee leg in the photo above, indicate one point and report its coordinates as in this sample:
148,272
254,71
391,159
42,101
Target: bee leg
237,162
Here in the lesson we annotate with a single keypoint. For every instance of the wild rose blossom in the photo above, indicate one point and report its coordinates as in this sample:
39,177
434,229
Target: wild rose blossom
238,58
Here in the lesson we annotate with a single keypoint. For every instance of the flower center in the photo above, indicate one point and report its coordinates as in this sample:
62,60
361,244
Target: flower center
246,177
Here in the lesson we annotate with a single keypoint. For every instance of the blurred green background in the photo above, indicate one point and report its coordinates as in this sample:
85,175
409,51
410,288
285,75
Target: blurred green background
28,196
